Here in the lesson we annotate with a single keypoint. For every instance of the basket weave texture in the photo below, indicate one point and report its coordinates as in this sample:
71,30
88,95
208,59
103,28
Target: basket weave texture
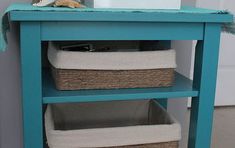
66,79
112,124
173,144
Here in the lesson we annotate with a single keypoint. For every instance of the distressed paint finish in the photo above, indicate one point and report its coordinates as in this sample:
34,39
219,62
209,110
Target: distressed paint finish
205,74
31,84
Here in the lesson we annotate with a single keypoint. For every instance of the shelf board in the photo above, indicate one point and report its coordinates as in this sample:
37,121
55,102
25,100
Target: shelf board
182,88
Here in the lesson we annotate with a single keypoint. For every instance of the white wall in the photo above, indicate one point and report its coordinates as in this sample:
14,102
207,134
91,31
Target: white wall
10,100
178,107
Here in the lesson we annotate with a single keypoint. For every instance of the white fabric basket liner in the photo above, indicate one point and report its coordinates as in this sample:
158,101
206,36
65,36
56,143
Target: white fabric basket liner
107,124
111,60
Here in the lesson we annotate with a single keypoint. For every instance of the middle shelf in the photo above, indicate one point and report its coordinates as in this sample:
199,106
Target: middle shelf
181,88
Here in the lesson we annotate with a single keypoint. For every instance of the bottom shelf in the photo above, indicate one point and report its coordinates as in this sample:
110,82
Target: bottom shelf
181,88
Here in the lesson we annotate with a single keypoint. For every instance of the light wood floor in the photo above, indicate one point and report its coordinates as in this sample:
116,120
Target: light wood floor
223,128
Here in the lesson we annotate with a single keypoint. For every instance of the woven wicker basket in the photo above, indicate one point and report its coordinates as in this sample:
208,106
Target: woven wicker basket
113,124
174,144
107,79
74,70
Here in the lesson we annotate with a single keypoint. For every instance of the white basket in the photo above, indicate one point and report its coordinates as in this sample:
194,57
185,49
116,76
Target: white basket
158,59
109,124
134,4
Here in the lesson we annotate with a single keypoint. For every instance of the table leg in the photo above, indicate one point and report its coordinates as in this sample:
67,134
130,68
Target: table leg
163,102
205,74
31,84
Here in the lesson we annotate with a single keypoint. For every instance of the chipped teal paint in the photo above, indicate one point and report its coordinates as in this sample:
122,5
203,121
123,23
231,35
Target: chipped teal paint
40,26
31,84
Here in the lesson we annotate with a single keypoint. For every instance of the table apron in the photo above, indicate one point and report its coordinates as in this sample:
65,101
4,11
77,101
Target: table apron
61,31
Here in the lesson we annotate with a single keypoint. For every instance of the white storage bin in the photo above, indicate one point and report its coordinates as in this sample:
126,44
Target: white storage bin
126,124
134,4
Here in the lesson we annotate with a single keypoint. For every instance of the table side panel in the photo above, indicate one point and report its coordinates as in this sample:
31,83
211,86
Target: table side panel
121,31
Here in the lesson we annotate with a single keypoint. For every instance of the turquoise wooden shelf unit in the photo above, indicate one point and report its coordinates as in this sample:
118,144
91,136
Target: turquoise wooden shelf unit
38,26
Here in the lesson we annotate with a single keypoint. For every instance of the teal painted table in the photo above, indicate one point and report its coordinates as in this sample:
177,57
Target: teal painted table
36,26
